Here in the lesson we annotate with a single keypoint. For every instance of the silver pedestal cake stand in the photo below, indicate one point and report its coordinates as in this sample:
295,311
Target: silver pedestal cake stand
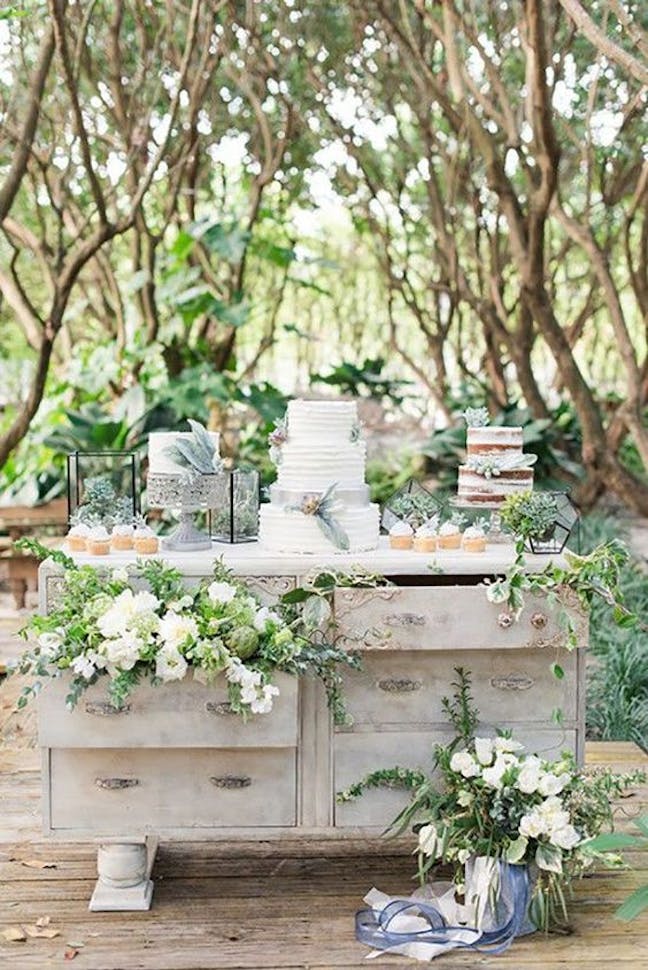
185,495
495,531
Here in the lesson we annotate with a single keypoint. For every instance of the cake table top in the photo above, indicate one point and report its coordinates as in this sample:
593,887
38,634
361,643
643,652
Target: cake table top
253,559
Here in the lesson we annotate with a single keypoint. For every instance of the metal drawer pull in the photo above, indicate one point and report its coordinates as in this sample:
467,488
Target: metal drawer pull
404,619
116,784
231,782
222,708
512,682
105,708
399,685
539,621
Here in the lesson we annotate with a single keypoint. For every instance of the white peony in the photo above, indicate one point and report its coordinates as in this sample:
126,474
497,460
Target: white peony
170,664
83,666
531,825
428,840
464,763
566,837
493,776
484,750
174,629
263,617
551,784
530,774
221,592
118,617
123,652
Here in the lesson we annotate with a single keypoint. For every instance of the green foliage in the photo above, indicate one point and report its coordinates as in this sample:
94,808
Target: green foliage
529,515
365,380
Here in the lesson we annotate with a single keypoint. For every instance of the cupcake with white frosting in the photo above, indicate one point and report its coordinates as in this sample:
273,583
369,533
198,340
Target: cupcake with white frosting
474,539
449,536
425,537
145,541
98,541
121,537
77,537
400,535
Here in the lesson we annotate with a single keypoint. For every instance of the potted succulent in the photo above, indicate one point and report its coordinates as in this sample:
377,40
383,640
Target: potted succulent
543,521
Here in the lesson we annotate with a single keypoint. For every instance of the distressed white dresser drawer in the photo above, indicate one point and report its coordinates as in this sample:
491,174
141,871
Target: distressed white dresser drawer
356,755
175,715
440,618
407,687
130,791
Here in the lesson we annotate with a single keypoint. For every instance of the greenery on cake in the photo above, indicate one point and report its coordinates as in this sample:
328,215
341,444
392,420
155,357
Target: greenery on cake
277,437
197,454
529,515
492,466
322,506
476,417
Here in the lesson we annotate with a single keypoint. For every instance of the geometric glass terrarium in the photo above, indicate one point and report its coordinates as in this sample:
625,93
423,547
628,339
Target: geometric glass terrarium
566,522
411,502
113,473
234,515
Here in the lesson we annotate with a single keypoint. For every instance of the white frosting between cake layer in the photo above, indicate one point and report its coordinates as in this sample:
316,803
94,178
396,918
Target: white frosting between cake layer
285,531
159,462
485,438
469,482
309,464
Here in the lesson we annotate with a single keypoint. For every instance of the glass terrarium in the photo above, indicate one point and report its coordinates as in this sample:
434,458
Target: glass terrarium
234,515
413,503
566,523
102,485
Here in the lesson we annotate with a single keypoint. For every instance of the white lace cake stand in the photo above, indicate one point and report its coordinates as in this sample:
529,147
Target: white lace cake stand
185,495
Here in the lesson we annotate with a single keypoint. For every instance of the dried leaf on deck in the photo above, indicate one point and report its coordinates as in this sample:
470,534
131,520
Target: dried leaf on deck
13,934
70,953
37,864
41,932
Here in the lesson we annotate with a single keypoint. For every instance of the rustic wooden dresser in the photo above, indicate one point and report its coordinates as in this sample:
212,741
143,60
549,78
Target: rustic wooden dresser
176,764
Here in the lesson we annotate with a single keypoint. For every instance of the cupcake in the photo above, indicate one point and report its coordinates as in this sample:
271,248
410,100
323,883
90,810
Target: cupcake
145,540
98,543
449,536
121,538
77,537
400,535
474,539
425,538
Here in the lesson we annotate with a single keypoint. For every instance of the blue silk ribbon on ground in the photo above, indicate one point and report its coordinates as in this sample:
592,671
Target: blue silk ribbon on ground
373,926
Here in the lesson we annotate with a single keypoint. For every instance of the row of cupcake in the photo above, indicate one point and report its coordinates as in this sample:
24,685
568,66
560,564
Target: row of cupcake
97,540
430,536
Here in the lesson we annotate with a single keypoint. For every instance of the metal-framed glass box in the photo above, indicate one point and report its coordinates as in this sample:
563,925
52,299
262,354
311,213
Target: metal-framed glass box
234,516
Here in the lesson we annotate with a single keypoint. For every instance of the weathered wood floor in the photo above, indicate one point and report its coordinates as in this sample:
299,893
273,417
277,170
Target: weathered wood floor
256,906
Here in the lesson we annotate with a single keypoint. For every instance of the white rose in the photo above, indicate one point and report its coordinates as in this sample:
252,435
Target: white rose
551,784
170,664
484,750
493,776
263,617
221,592
83,666
507,744
464,763
123,652
428,840
174,629
529,776
565,837
531,825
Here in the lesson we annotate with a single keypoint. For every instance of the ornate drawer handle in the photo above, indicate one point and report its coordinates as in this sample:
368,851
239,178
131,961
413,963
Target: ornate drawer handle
116,784
404,619
399,685
539,621
231,782
512,682
222,708
105,708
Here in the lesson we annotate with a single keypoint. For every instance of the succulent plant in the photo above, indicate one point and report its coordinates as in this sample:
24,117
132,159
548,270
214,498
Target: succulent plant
530,515
476,417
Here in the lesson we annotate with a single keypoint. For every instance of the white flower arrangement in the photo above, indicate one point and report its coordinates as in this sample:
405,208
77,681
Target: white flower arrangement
100,627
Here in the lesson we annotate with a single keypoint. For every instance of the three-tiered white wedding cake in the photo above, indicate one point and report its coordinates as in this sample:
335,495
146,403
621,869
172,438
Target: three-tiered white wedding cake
320,502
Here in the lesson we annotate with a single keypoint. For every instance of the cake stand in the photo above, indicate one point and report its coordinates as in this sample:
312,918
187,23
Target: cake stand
184,494
495,531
